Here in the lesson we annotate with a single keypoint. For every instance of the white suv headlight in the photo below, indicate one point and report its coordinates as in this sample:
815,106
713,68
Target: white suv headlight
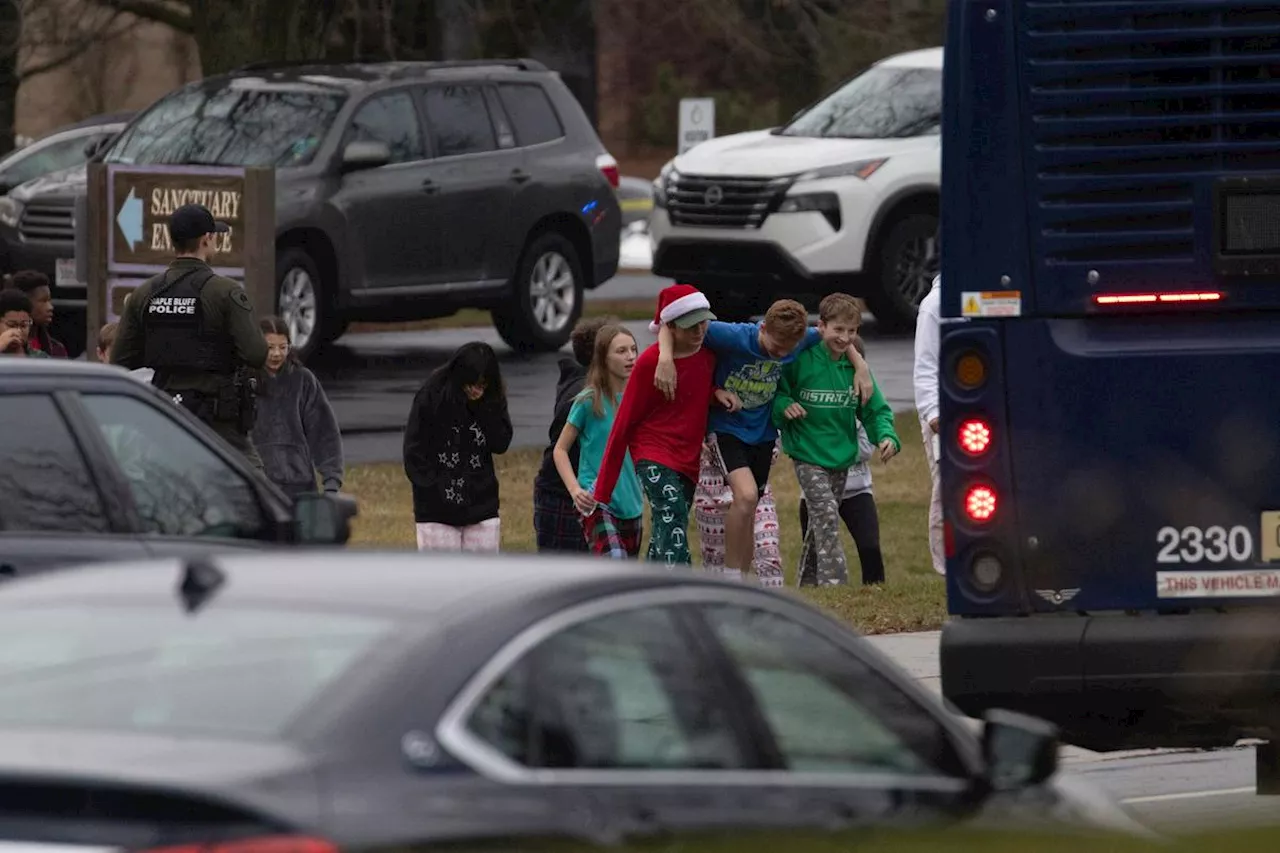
10,211
861,169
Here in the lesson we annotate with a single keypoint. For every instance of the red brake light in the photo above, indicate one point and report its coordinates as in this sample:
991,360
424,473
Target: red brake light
609,168
1157,298
980,503
975,436
261,844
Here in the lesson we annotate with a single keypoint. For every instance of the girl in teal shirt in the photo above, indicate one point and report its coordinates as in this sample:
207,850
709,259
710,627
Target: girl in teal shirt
614,529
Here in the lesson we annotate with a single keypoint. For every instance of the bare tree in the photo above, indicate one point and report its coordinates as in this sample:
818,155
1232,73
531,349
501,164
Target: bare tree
39,36
231,33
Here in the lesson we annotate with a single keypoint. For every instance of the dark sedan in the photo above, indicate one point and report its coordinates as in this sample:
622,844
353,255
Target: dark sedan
96,465
302,702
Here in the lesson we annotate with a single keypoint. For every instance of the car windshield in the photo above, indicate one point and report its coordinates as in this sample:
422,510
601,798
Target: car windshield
885,102
235,673
237,125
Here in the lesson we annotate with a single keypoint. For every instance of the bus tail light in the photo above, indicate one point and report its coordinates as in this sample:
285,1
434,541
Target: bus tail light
1168,298
980,503
970,370
974,436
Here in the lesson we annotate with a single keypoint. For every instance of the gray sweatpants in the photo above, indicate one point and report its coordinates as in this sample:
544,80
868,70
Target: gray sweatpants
823,490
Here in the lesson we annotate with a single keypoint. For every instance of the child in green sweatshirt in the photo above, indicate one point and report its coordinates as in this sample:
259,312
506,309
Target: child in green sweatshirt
818,414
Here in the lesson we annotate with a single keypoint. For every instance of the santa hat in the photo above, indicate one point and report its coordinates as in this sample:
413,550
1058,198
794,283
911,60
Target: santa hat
676,301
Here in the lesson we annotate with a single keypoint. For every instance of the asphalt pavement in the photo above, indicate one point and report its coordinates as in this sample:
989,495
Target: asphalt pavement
371,378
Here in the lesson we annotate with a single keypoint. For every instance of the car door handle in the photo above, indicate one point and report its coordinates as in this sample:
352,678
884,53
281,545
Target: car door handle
520,176
8,570
430,187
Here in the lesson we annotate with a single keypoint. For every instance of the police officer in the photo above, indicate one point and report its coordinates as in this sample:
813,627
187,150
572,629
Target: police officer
197,331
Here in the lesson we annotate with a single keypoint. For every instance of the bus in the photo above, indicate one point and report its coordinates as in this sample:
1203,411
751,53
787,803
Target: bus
1110,368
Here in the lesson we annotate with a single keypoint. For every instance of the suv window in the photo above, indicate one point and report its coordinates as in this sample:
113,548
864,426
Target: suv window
235,125
622,691
53,157
459,120
180,487
829,711
45,484
392,120
531,112
885,102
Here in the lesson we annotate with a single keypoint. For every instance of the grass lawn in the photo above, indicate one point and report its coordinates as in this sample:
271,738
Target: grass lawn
912,599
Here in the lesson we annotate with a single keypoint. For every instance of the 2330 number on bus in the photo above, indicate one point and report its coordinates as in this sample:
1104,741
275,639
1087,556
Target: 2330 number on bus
1204,544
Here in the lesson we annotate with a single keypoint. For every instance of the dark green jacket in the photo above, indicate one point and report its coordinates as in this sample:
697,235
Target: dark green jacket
226,309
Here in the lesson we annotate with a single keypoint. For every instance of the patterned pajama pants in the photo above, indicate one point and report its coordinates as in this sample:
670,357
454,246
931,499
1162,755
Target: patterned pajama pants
670,497
485,537
823,490
713,498
609,536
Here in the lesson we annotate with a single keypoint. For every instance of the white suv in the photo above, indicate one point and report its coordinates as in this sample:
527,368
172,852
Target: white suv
842,198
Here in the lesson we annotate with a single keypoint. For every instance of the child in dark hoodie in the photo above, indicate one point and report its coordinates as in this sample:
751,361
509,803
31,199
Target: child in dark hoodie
556,521
296,432
458,422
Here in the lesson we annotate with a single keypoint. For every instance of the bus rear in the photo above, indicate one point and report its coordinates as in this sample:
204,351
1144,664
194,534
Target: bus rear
1110,367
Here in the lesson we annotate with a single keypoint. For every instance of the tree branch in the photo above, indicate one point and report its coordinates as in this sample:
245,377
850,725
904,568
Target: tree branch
159,11
70,50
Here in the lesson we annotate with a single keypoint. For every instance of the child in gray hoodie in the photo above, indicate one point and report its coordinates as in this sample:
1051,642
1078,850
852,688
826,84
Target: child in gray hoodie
296,432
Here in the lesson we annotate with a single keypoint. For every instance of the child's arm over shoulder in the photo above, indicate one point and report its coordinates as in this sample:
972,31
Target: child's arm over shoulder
725,337
812,337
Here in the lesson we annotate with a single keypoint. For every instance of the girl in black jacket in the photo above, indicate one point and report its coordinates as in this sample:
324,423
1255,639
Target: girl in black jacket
458,422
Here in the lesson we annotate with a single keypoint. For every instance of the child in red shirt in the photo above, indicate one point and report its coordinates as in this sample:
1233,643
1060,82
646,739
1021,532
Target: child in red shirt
665,437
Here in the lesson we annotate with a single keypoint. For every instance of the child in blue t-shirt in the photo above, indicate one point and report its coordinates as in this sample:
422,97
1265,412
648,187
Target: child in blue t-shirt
741,440
614,529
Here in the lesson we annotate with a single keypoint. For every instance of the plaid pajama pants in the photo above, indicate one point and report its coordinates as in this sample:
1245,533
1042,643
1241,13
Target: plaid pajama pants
609,536
557,523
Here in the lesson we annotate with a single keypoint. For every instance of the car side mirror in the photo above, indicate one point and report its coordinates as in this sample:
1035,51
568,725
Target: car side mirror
323,519
1020,751
365,155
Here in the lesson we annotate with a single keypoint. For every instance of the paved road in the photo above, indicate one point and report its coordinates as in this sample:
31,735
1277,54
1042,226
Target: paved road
628,286
1170,791
371,380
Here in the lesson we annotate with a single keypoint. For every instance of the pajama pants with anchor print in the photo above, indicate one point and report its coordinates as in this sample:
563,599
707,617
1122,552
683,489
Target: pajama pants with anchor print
670,498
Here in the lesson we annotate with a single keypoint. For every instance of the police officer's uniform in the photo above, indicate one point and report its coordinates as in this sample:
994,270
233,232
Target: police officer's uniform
197,330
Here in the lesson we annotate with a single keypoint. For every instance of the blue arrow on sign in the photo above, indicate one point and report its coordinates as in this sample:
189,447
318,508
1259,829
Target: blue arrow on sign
130,219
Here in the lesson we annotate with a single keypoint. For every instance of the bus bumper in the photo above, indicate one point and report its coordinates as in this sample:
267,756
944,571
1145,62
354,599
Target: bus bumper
1123,682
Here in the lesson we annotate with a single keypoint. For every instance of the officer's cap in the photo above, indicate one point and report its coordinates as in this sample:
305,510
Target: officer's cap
193,221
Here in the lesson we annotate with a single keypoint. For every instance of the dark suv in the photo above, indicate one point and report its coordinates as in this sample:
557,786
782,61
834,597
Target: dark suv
405,191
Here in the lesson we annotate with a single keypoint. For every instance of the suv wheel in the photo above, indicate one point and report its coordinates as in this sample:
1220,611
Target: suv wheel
548,297
300,301
907,265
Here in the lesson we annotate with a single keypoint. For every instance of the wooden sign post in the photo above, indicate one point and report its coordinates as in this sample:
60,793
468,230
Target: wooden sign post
128,238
